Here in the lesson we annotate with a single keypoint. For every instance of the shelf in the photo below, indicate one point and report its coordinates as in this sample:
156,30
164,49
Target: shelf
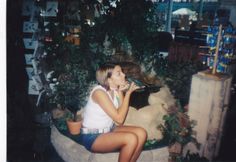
204,54
230,35
204,47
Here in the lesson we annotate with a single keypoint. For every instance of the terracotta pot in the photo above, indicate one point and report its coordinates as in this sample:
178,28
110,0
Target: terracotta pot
74,126
175,148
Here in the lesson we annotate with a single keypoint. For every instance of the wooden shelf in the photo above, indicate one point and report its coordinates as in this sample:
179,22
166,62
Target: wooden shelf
203,46
205,54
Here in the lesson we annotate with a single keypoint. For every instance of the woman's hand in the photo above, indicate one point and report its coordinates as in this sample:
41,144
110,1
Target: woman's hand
124,87
132,87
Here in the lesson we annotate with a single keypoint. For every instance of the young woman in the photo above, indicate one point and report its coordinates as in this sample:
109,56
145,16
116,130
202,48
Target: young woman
103,130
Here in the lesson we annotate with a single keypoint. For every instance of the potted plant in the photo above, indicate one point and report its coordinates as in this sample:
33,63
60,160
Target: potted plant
74,121
70,93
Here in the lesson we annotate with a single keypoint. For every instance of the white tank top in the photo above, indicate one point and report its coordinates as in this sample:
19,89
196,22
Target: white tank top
94,116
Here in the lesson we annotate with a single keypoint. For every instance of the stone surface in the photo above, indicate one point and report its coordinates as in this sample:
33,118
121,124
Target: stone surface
71,151
208,105
151,116
148,117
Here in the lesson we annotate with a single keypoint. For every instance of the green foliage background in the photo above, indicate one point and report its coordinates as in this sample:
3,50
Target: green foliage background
129,26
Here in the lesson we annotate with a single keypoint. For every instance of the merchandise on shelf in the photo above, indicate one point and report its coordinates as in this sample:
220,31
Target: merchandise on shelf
226,52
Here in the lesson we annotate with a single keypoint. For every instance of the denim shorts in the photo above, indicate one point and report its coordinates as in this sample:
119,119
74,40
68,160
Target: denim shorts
88,140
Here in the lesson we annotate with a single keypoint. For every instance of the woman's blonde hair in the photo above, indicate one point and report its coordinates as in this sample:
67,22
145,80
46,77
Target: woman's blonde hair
103,73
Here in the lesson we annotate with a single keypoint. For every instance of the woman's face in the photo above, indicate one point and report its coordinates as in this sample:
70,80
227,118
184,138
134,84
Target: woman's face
117,77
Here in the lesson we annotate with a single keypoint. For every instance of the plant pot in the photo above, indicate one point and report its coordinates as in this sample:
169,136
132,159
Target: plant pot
74,126
175,148
175,152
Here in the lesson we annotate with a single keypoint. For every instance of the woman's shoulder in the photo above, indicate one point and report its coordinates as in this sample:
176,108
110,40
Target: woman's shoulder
98,91
98,87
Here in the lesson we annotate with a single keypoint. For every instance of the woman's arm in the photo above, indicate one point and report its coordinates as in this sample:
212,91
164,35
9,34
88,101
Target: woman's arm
118,115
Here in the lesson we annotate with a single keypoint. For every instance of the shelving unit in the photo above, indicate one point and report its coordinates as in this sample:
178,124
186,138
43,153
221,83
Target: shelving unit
210,89
221,46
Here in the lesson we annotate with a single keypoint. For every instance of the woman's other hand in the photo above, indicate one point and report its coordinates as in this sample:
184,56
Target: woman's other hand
132,87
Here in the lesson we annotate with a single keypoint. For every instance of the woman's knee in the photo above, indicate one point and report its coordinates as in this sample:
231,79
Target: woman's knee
131,139
142,133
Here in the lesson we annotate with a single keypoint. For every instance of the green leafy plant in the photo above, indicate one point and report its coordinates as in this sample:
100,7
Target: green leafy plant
72,86
177,128
73,69
177,75
74,66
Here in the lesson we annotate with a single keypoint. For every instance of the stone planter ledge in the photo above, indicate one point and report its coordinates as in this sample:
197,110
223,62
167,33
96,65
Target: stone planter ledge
70,151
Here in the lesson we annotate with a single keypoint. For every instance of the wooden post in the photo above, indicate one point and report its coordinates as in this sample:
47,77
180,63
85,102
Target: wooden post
217,50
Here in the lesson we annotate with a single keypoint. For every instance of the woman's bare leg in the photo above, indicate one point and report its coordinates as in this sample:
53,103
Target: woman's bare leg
124,141
142,137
